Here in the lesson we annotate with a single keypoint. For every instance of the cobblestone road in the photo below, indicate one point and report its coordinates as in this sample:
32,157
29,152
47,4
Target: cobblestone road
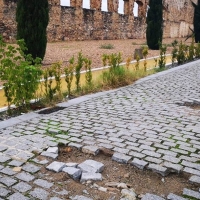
141,122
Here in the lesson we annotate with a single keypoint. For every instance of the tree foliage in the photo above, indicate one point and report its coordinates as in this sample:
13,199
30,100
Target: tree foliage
32,18
196,21
154,30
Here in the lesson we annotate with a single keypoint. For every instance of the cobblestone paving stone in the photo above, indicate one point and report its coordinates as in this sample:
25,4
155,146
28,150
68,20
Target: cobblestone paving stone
143,123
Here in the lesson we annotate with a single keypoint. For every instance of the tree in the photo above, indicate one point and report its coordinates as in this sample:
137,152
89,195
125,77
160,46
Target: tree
32,18
154,30
196,21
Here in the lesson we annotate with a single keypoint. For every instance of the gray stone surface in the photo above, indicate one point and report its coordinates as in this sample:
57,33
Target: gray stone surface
8,181
53,150
122,158
22,187
139,163
39,194
94,150
195,179
97,166
4,192
73,172
91,176
191,193
158,169
24,176
17,196
31,168
43,183
56,166
151,197
172,196
80,197
49,154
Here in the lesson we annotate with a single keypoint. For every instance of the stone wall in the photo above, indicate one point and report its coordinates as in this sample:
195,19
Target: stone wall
77,23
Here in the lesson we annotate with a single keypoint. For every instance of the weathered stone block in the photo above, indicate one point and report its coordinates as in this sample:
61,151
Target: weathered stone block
73,172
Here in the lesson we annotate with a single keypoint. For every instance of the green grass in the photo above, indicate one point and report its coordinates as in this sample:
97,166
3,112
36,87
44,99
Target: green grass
107,46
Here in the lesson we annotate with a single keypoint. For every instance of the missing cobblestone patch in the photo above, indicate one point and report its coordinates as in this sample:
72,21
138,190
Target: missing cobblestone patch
192,103
51,110
142,181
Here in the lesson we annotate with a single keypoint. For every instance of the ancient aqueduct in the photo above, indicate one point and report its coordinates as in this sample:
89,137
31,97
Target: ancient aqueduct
77,23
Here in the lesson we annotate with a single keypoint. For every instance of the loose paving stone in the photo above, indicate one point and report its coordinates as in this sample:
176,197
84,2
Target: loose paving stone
71,164
173,167
121,158
39,194
151,197
91,176
17,196
53,150
43,183
31,168
24,176
191,193
56,166
158,169
4,192
8,181
41,162
77,197
94,150
172,196
98,166
22,187
73,172
139,163
49,154
128,194
195,179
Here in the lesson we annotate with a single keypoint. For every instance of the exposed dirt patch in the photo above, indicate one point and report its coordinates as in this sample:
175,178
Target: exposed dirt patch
141,181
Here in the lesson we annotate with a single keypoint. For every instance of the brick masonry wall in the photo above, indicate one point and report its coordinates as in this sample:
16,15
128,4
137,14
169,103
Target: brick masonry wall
76,23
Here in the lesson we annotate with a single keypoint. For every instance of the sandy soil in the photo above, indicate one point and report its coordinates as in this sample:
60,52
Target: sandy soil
63,51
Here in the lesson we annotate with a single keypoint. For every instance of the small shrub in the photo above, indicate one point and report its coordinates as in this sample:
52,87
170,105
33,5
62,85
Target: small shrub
50,90
20,74
191,53
128,62
145,51
197,50
78,68
69,74
162,59
107,46
174,51
137,62
181,56
88,74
